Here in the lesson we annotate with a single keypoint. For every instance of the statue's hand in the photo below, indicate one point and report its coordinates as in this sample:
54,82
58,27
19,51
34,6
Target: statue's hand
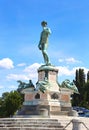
39,46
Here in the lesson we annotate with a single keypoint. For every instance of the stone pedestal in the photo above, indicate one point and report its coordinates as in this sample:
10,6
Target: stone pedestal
48,98
76,124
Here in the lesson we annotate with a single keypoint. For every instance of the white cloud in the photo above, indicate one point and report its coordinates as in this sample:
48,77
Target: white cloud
61,60
32,68
21,64
6,63
12,87
1,86
17,77
65,71
72,60
30,72
69,60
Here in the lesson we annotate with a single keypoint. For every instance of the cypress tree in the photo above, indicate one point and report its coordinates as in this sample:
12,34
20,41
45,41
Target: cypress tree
79,82
88,76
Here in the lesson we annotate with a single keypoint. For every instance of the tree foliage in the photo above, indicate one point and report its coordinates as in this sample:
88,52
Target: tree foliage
81,99
9,103
88,76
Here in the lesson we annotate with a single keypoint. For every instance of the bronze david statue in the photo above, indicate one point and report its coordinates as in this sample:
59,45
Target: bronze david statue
43,43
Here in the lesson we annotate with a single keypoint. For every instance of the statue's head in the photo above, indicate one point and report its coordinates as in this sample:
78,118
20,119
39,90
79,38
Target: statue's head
44,23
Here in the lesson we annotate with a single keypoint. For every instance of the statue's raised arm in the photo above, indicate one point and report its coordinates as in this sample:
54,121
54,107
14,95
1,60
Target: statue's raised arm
43,43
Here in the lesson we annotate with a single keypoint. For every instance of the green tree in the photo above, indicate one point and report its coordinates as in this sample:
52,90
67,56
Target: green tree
10,103
86,95
13,102
2,104
77,78
81,77
79,82
4,95
88,76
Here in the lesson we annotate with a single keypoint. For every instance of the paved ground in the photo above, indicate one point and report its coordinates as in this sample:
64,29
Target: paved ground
64,120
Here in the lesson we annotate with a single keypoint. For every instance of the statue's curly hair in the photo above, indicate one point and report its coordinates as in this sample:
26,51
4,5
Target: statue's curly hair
43,23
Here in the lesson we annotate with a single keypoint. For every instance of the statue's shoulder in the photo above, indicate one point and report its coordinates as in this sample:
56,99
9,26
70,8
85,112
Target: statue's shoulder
48,30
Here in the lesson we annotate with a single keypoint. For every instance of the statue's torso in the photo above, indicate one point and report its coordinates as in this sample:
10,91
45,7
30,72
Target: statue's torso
44,35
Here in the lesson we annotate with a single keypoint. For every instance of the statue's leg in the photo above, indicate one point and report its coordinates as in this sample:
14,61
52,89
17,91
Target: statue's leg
46,59
44,52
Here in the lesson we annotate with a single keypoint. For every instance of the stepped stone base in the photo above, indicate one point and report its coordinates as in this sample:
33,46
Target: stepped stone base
34,110
48,98
30,124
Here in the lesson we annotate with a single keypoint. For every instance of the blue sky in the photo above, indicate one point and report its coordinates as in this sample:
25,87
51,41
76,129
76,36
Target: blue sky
20,33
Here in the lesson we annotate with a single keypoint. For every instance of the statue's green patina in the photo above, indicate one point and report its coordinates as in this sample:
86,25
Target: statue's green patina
70,85
42,85
43,43
23,85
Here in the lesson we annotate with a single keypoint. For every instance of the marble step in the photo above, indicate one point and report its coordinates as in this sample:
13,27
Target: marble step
29,124
33,128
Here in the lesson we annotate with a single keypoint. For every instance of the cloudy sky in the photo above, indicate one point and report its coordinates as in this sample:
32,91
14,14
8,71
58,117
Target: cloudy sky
20,33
